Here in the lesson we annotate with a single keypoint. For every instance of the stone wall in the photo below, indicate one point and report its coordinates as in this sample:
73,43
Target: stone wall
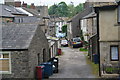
43,10
19,65
75,27
23,63
105,53
38,44
92,47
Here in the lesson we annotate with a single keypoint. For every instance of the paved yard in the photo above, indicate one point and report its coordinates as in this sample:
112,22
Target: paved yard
72,64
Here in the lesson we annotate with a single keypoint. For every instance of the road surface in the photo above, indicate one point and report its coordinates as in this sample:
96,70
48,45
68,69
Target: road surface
72,64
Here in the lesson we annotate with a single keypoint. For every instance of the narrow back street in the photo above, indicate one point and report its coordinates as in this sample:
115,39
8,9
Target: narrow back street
72,64
59,39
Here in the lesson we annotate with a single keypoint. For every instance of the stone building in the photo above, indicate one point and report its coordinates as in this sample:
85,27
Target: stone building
53,45
109,39
24,46
41,12
9,13
89,29
9,2
74,25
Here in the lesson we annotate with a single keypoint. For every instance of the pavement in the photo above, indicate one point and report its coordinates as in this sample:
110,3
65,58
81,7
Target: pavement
72,64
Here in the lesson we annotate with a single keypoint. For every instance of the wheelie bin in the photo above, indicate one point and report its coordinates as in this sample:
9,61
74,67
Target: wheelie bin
39,72
55,62
95,58
59,51
48,69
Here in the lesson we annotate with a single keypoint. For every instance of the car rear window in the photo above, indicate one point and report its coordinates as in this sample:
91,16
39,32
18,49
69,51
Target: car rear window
76,40
64,40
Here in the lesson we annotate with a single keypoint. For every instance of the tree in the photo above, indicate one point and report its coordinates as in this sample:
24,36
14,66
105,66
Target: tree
81,35
59,10
64,29
71,10
53,9
79,8
63,9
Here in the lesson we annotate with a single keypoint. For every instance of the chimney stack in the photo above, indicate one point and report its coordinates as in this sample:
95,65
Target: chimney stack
10,2
32,6
24,5
17,3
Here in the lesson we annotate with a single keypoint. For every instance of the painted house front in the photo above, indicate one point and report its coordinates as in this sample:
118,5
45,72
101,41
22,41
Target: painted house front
109,39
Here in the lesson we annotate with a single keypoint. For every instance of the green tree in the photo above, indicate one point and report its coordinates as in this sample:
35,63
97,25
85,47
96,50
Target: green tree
63,9
53,9
64,29
71,10
60,9
79,8
81,35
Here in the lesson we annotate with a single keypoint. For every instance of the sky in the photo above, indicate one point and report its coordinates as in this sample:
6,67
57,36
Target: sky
49,2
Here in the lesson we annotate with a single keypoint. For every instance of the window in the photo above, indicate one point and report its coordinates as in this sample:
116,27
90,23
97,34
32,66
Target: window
38,10
119,14
19,20
44,55
114,53
5,62
7,9
49,53
38,55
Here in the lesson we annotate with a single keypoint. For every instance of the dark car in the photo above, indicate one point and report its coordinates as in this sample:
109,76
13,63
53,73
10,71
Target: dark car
76,42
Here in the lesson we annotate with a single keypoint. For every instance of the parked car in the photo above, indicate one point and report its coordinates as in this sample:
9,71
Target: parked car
76,42
64,43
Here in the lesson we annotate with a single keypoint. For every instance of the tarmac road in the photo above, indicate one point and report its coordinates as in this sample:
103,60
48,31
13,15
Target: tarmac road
72,64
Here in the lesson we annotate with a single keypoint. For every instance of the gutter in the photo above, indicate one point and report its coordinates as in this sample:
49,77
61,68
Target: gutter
92,36
69,21
13,49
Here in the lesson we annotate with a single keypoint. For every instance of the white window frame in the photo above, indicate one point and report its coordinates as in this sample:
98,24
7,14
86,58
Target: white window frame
112,56
1,58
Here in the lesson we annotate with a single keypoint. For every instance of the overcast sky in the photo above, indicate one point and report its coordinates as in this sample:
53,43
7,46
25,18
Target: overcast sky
49,2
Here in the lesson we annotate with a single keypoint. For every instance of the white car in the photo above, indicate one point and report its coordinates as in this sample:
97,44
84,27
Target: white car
64,43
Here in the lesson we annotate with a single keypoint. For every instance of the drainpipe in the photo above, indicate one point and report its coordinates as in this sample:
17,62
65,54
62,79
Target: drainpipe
98,44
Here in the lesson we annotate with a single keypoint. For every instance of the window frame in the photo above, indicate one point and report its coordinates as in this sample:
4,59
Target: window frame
118,15
111,52
6,72
44,55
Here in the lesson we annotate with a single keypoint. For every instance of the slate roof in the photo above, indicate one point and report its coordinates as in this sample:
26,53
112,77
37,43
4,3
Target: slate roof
21,9
33,11
17,36
59,19
91,15
8,11
85,12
